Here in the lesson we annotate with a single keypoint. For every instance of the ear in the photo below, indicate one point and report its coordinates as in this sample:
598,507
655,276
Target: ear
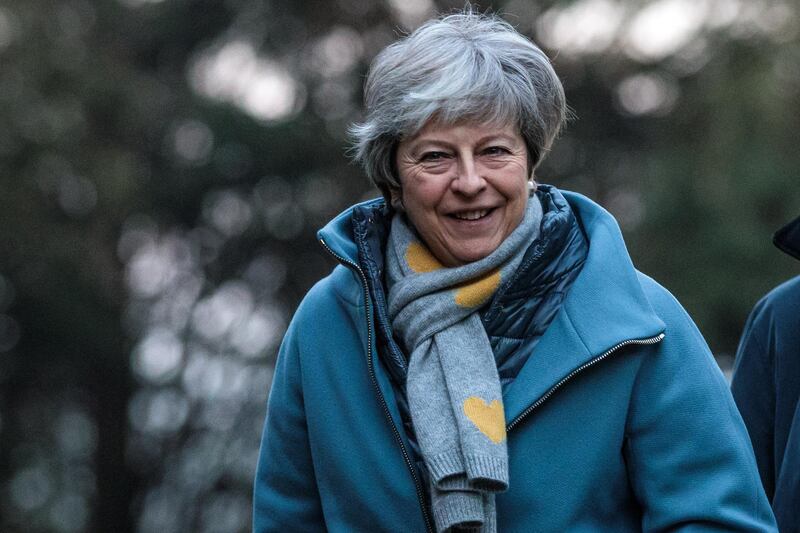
396,199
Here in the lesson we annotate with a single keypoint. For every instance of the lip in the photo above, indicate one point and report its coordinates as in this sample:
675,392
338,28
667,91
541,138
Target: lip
472,225
488,209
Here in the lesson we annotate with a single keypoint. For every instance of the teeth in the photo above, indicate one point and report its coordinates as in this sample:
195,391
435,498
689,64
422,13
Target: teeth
471,215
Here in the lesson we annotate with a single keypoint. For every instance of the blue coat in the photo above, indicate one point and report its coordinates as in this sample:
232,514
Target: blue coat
766,386
619,420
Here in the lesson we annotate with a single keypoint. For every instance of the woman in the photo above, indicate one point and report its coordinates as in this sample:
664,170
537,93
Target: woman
485,357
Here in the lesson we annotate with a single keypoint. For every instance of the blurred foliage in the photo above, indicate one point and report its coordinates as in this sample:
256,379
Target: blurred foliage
165,165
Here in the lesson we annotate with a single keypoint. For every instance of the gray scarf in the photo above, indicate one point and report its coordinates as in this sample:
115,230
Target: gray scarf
453,389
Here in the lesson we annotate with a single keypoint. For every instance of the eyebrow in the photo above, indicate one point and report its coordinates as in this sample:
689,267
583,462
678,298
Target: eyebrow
416,143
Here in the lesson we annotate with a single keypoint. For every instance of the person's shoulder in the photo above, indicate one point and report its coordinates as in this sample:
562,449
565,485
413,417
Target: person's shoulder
664,303
339,286
779,308
681,329
683,353
783,298
770,339
332,298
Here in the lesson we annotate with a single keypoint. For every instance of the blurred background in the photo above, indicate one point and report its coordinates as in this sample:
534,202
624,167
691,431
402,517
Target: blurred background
165,164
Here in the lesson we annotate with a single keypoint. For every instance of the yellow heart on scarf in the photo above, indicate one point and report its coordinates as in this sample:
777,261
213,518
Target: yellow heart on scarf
475,293
489,419
420,259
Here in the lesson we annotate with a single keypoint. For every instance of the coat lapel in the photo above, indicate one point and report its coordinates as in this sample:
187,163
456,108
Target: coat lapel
605,307
557,353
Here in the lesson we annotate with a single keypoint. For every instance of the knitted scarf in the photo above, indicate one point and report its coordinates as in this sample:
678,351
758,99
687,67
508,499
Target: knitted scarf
453,389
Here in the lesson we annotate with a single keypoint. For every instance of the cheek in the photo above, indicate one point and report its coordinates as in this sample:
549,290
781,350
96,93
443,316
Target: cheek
516,190
420,196
515,186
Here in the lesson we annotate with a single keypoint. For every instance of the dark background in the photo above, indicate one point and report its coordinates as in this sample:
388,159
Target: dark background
164,166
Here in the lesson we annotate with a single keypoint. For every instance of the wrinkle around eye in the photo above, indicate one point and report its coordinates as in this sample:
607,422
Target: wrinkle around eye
438,166
416,171
504,160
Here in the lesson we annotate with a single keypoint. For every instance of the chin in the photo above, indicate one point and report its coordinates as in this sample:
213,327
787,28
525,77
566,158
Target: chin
472,255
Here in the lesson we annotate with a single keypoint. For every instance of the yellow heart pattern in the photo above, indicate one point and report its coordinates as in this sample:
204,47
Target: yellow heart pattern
473,293
489,419
420,259
476,293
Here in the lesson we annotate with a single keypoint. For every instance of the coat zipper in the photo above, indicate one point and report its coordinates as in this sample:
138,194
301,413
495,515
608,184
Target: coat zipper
370,364
546,395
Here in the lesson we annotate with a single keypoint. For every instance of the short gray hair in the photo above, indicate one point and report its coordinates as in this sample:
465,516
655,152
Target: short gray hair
463,66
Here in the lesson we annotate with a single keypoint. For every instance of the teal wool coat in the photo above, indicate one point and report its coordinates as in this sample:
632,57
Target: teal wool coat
618,421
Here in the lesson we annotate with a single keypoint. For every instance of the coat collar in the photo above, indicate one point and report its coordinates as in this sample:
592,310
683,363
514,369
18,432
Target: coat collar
337,235
788,238
606,306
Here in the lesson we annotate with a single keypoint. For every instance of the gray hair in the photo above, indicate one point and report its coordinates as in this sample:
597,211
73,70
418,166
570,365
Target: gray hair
462,66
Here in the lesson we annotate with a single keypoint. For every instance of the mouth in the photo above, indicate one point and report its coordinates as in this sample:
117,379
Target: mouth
475,214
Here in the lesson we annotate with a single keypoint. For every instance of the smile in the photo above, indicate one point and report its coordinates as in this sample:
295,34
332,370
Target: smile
471,215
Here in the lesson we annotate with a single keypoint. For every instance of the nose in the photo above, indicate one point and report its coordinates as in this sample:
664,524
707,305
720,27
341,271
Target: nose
469,180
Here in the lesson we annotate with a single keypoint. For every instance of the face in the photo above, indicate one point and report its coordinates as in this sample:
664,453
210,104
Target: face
464,187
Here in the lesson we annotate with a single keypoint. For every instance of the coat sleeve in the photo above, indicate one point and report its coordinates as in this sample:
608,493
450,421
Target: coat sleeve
688,455
285,495
753,388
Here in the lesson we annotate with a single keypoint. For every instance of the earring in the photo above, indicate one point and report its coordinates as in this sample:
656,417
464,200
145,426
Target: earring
531,187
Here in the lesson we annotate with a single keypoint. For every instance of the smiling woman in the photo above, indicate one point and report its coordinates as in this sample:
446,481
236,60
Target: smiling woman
486,357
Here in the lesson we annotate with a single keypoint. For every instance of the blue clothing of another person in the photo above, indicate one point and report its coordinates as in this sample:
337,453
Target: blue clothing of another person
766,387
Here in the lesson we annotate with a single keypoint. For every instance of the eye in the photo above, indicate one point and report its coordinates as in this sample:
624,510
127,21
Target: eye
496,150
432,157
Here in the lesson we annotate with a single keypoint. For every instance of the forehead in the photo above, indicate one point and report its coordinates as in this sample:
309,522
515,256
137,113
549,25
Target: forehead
464,131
